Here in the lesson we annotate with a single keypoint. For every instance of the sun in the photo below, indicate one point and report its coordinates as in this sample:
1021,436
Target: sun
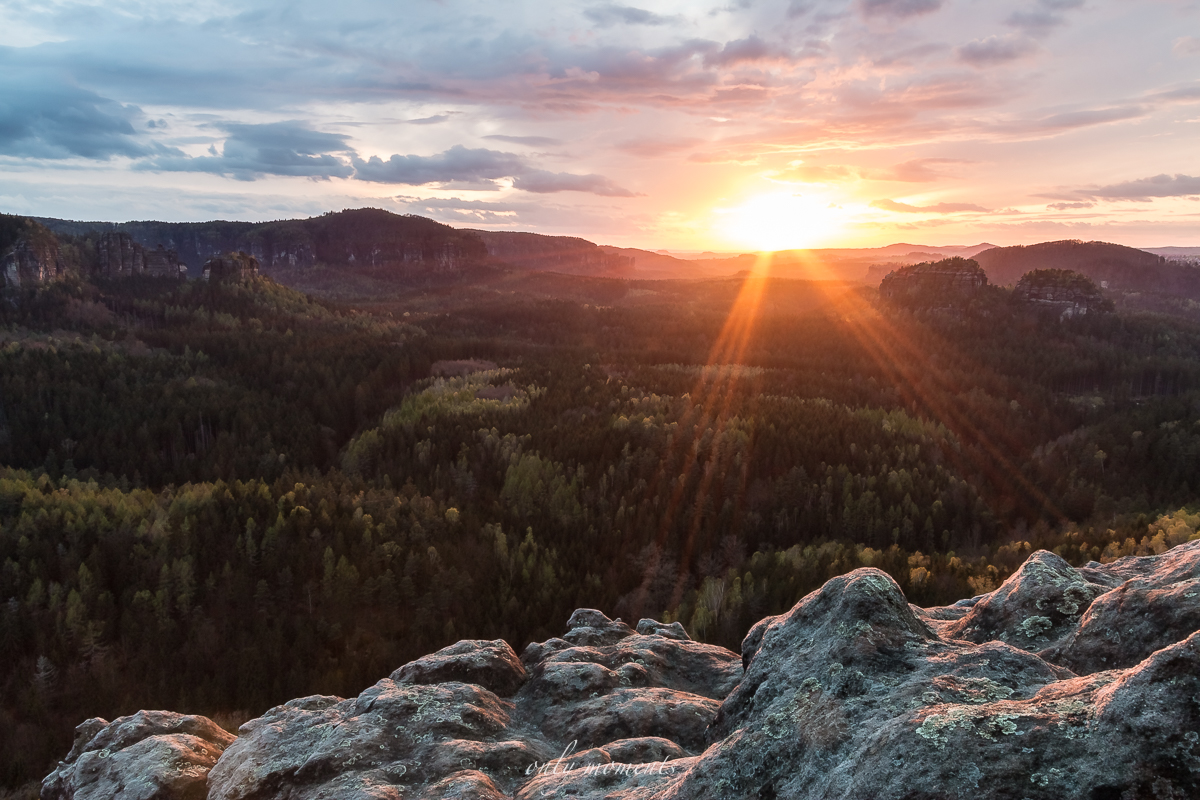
782,221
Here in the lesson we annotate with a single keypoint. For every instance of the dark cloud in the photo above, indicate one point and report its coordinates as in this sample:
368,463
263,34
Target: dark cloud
531,141
937,208
611,14
461,164
275,148
456,164
1069,206
1147,188
898,8
1187,46
542,182
995,50
43,117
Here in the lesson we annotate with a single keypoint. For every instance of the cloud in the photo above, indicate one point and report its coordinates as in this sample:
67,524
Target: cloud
995,50
1069,206
464,165
1042,19
275,148
655,148
542,182
610,14
456,164
532,141
920,170
937,208
434,120
1147,188
898,8
43,117
1187,46
752,48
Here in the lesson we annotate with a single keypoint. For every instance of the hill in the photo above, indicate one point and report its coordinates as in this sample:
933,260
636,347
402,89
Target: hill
364,237
1113,266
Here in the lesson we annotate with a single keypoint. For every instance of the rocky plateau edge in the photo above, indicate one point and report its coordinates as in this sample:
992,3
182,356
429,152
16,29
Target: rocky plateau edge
1066,683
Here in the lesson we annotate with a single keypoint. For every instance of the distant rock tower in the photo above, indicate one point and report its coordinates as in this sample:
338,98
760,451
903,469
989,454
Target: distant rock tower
1062,291
231,267
119,256
934,284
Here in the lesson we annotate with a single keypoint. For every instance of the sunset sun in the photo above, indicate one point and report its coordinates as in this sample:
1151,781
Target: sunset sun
782,221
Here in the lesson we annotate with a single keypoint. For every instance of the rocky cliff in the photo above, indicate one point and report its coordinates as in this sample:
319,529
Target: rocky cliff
119,256
1060,291
934,284
231,267
29,253
1063,683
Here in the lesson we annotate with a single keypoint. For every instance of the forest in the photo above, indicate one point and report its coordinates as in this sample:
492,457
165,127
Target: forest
218,496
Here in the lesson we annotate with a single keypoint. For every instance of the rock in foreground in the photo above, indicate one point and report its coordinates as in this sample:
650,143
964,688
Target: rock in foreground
1063,683
150,755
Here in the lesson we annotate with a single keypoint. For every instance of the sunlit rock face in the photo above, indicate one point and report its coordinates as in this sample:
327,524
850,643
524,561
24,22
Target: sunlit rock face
1065,682
947,283
1060,291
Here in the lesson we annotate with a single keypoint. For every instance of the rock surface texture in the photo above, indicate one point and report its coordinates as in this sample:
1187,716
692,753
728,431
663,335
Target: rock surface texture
151,755
1078,683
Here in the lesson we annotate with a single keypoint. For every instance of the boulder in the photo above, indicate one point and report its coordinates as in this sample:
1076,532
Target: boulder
649,627
587,626
492,665
1037,607
151,755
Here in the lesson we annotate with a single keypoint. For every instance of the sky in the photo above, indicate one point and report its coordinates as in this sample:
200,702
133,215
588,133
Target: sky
725,126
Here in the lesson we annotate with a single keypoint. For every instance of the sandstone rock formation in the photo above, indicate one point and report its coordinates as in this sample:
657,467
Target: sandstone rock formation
151,755
231,267
119,256
29,253
934,284
1061,292
1065,682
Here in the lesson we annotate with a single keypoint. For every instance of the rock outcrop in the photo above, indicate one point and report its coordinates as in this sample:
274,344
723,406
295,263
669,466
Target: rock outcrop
29,253
151,755
231,267
1061,292
119,256
947,283
1076,683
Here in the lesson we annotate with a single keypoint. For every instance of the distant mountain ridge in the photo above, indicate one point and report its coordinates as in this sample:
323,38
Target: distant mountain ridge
361,237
